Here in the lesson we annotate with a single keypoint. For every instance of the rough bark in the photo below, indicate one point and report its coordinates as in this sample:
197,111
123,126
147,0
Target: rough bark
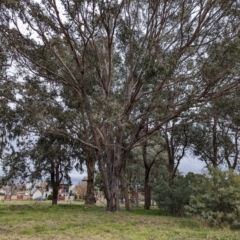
111,179
111,163
113,200
111,186
90,197
112,194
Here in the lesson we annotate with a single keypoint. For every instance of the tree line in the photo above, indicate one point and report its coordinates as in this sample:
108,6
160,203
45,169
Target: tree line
117,85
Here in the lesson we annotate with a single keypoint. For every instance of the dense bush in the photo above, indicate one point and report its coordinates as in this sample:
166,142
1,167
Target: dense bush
172,196
217,198
50,197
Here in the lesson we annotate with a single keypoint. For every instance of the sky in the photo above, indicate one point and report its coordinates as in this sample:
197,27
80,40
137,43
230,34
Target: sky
191,164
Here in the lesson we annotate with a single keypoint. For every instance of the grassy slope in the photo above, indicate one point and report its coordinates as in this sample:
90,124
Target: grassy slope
42,221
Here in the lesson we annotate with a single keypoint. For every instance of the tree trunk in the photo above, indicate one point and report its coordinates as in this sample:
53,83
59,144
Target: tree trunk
55,181
214,159
171,163
125,189
55,194
170,169
111,179
90,197
111,164
113,198
147,191
147,188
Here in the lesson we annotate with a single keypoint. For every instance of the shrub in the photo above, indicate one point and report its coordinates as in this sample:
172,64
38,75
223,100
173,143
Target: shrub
50,197
172,197
217,198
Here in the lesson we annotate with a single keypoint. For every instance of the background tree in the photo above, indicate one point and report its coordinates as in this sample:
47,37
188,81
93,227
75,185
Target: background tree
143,167
229,129
151,154
5,111
52,157
215,133
175,134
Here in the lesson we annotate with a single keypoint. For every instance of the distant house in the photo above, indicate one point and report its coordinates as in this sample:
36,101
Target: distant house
66,189
63,189
13,191
37,190
37,194
32,191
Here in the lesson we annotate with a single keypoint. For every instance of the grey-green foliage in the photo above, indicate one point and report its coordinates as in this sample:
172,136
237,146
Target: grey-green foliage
172,195
217,198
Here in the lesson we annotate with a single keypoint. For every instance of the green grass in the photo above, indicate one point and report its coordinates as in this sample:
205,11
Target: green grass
28,220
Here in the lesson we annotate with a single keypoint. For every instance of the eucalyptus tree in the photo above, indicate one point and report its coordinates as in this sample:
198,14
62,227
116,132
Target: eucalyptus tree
36,153
52,157
231,130
37,158
176,143
128,64
151,155
215,135
4,110
206,139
